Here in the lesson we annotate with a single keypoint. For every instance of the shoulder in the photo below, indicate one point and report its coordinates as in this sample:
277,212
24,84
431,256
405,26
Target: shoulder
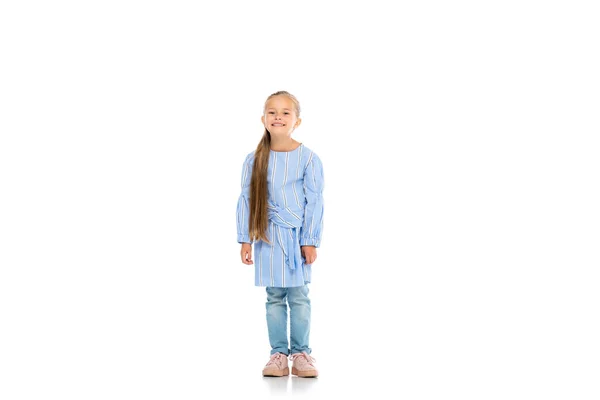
249,158
310,158
309,155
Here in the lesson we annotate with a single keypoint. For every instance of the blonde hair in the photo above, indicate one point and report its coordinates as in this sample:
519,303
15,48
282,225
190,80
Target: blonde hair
258,218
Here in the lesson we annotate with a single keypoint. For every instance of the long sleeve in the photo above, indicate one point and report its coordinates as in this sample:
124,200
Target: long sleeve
312,227
243,205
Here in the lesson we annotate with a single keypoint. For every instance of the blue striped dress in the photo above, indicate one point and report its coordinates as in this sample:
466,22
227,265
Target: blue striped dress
295,210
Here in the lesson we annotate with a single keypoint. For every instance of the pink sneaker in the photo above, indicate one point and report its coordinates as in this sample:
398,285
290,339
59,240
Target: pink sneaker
277,366
304,365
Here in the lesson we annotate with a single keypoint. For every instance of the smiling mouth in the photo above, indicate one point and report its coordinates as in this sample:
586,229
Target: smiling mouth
277,124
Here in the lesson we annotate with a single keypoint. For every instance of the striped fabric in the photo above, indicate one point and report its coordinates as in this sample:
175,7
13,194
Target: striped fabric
295,209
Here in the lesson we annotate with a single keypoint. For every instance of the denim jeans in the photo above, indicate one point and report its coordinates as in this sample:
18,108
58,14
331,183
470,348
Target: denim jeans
299,303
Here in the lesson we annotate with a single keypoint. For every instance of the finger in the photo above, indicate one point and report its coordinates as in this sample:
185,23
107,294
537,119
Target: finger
246,258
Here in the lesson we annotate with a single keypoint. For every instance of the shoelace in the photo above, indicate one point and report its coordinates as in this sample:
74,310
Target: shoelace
277,359
303,358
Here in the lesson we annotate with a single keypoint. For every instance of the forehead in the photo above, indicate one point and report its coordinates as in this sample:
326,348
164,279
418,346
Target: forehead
280,102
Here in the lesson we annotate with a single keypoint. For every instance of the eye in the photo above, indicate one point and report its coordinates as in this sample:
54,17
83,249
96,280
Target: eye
286,112
271,112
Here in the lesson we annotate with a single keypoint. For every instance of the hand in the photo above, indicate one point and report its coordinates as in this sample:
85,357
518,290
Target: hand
246,253
309,253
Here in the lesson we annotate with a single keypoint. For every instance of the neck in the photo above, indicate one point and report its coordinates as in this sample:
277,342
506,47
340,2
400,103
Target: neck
283,144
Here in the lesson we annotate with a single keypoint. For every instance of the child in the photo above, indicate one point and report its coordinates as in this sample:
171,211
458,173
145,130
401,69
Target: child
280,211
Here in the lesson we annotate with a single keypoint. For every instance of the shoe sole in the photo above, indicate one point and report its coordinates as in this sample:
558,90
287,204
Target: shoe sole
304,374
283,372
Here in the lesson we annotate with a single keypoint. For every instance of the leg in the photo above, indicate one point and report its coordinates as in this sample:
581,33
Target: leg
277,320
299,319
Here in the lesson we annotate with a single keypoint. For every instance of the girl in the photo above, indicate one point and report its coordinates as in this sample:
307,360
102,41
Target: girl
280,211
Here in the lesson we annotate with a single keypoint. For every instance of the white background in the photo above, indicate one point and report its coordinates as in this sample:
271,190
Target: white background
459,141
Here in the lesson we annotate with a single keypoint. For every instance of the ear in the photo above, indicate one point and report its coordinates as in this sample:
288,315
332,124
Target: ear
298,122
262,119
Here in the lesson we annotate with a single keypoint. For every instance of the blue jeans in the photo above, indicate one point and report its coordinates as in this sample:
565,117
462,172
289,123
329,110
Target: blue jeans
299,303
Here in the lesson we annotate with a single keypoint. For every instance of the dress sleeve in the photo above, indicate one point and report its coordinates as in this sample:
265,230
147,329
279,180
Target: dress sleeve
312,227
243,205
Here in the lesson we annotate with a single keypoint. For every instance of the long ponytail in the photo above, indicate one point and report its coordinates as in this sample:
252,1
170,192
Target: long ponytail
258,190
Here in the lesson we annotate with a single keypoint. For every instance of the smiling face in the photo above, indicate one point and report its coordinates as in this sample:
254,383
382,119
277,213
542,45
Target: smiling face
280,116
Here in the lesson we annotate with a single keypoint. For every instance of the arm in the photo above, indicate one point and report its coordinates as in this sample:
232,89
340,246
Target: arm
243,204
312,227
